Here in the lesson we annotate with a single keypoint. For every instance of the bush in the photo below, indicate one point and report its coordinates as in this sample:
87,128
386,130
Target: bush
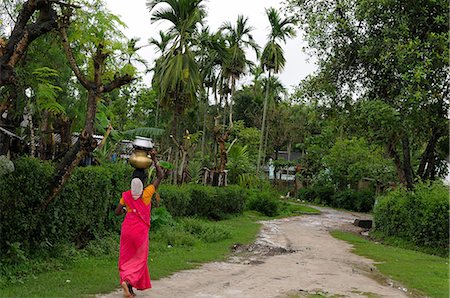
175,199
83,211
160,217
420,216
354,200
231,198
203,201
317,194
265,202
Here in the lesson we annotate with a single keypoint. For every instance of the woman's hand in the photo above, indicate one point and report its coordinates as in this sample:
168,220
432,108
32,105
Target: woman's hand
152,154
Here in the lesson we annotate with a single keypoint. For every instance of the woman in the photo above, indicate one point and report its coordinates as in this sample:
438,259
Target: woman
136,204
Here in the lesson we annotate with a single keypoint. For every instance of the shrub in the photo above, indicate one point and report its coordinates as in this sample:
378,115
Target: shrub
231,198
354,200
202,201
83,211
318,194
265,202
420,216
160,217
175,199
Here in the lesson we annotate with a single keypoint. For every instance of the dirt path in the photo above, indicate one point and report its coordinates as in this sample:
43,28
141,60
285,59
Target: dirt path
292,257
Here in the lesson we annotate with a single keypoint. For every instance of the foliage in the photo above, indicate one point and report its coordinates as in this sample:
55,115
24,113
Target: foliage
83,211
160,217
420,216
321,194
361,201
351,160
6,166
265,202
202,201
239,163
383,51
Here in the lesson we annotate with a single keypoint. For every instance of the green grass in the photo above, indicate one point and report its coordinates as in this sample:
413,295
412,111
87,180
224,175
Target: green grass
297,209
427,274
89,275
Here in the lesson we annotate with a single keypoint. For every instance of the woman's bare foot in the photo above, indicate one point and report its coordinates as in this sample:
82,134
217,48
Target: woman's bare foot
126,291
130,288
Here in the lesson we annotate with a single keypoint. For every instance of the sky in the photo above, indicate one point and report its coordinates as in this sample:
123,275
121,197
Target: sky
135,14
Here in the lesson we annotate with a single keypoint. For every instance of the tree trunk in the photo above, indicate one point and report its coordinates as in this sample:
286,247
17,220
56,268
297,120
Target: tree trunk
233,87
261,139
398,163
427,160
407,168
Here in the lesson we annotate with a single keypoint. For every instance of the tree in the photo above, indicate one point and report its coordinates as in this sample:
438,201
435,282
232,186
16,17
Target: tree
272,59
178,78
94,75
238,38
34,19
390,51
161,46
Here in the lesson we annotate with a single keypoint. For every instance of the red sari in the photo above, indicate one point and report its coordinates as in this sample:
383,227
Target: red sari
133,266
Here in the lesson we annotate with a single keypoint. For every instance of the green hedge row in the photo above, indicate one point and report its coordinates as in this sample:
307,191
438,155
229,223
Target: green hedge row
85,208
361,201
202,201
83,211
420,216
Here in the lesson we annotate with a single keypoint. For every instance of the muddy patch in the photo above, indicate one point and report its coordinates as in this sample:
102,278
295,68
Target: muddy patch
254,254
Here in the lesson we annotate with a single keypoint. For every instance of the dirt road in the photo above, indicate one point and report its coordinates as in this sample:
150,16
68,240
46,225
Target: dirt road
292,257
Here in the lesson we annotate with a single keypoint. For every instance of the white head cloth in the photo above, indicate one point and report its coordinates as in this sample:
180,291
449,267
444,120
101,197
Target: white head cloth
136,188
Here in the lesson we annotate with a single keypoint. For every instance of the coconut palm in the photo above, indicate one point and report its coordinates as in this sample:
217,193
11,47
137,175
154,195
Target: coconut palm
272,58
238,38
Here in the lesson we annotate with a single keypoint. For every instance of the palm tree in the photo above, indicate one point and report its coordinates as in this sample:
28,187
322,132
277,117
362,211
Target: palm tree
238,38
272,58
161,46
178,78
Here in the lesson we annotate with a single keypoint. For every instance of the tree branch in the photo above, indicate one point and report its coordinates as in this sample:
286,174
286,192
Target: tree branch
70,57
118,82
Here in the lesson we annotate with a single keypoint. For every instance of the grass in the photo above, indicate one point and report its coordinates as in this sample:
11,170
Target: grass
298,209
89,275
427,274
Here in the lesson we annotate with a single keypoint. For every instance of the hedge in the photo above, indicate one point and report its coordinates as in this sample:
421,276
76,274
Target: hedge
350,199
420,216
202,201
83,211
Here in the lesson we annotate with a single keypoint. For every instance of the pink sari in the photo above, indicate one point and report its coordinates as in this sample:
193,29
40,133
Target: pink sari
133,257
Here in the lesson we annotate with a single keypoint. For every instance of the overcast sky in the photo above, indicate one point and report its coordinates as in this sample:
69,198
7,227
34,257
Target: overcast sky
137,17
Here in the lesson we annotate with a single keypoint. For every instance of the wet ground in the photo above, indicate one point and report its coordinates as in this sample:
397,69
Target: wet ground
292,257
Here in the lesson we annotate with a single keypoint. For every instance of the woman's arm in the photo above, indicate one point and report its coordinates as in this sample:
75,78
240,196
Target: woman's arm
120,209
159,170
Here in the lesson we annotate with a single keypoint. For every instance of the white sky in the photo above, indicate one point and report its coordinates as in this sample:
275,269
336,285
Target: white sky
137,17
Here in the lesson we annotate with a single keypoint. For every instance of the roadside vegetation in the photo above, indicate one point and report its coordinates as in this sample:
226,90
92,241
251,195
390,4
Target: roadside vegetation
417,271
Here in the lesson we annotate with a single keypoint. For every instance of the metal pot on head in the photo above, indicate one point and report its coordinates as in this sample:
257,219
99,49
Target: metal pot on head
139,158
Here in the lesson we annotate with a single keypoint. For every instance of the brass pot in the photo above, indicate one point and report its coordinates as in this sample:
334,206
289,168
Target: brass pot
140,160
